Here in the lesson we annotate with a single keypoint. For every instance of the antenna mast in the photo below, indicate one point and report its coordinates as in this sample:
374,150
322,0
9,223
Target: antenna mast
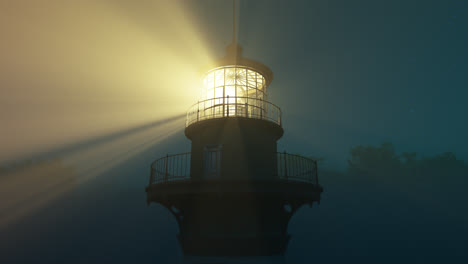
234,21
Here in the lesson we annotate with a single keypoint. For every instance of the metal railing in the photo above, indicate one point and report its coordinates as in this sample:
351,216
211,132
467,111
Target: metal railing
297,168
170,168
235,107
290,167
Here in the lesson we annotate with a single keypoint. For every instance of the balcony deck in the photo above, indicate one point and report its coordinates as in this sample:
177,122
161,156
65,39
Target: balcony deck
222,107
291,168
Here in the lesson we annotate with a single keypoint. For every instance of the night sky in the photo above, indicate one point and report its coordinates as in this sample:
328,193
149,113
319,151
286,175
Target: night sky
346,73
358,72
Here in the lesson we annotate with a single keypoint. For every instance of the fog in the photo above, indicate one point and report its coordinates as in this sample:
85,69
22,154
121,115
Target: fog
92,92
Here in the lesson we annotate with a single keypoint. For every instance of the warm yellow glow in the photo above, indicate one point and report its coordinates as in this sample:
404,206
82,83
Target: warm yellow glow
227,90
233,81
31,186
72,70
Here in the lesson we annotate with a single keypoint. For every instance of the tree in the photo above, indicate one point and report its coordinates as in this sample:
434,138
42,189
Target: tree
373,160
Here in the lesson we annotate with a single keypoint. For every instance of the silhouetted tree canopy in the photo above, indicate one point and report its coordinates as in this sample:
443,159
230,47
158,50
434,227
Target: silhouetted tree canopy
382,164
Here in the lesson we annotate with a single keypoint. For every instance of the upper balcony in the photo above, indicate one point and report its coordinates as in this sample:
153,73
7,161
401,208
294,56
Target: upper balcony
222,107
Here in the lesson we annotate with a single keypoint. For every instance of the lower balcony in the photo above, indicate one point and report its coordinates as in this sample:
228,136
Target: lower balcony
290,167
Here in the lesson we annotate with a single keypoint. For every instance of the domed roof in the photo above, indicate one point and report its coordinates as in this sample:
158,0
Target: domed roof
234,57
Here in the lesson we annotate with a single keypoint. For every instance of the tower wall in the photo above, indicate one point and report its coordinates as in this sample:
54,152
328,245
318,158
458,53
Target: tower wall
233,224
246,148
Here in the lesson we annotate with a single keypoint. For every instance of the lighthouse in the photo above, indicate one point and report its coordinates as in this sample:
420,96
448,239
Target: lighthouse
234,193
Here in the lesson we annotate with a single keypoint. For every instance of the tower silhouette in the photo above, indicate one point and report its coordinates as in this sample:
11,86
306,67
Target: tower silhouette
234,194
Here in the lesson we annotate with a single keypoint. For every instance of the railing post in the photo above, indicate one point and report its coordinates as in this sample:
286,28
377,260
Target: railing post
235,105
261,108
246,110
198,111
185,165
167,161
227,114
285,168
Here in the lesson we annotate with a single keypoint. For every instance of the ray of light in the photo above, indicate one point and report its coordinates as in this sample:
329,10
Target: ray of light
30,186
99,159
27,189
77,80
73,70
100,140
118,158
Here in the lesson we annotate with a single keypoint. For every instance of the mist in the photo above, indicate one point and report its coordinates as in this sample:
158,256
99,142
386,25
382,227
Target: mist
92,92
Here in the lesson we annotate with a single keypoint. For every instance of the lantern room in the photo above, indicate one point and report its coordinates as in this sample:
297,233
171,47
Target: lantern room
233,81
235,87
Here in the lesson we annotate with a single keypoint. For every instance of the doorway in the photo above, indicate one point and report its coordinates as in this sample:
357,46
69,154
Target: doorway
212,161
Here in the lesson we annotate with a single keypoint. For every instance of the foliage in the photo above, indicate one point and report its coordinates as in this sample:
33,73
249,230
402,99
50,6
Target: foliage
383,164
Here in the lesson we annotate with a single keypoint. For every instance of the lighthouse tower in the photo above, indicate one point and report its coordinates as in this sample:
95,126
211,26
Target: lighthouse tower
234,193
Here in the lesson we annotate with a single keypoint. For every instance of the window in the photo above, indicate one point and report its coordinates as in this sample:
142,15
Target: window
212,161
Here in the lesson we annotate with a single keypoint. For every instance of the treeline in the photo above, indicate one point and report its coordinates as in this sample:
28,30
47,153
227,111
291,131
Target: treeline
383,162
438,178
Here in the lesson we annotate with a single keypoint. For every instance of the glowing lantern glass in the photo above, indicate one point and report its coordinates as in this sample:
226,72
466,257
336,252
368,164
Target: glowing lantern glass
232,91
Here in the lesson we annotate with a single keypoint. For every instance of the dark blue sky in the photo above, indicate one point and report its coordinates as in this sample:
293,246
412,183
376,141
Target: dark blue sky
357,72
